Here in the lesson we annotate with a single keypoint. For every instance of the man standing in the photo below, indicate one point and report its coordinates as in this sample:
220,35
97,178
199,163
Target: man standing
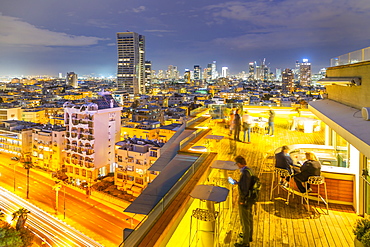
271,123
247,121
237,123
245,206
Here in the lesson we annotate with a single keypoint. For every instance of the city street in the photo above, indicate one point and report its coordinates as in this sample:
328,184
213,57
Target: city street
94,219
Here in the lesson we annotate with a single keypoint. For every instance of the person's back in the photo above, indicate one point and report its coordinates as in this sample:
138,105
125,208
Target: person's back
310,168
283,160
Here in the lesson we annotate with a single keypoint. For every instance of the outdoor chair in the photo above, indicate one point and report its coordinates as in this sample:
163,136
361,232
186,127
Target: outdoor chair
316,180
278,174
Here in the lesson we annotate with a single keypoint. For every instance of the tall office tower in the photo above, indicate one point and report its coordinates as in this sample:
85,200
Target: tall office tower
296,70
71,79
197,73
148,73
131,63
60,76
251,71
92,130
187,76
160,74
214,70
278,74
172,72
225,72
305,73
288,80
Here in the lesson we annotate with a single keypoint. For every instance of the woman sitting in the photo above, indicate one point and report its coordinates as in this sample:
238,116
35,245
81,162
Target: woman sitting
311,167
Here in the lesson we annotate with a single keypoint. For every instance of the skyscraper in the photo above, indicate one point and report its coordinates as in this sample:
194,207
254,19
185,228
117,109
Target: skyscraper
288,80
225,72
131,62
251,71
305,73
71,79
197,74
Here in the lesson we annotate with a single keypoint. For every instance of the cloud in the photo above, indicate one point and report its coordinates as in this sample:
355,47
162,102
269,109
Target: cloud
139,9
159,31
272,22
16,32
100,23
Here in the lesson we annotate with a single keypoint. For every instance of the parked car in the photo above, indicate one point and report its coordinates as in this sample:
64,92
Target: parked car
14,158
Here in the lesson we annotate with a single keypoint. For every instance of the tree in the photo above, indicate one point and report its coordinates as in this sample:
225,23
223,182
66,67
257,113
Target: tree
2,215
9,236
21,214
27,164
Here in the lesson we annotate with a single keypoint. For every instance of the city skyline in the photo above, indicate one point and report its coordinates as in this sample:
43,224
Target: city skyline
41,38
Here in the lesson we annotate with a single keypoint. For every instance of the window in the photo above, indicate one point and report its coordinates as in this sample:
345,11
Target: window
119,158
130,178
119,176
77,171
139,181
130,168
83,172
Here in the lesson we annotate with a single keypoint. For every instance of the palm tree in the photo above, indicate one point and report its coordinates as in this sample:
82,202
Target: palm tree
27,164
21,214
2,215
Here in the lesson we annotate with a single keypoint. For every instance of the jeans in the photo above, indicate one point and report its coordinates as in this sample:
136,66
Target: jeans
248,130
270,128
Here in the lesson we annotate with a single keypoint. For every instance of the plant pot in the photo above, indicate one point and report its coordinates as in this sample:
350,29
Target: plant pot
358,243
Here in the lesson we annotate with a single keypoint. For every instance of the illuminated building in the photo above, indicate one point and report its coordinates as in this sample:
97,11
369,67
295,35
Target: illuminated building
10,113
71,79
48,143
197,72
34,115
16,137
134,160
251,71
148,73
305,73
288,80
131,63
225,72
93,128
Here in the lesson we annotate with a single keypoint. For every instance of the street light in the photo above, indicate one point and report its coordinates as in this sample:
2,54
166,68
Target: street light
56,187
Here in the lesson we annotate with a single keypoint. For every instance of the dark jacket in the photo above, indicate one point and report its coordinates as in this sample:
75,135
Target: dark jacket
244,184
309,168
283,161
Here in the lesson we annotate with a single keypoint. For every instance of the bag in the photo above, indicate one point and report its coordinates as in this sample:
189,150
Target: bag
255,188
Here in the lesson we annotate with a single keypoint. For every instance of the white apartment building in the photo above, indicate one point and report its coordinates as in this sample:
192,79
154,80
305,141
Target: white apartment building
92,129
134,160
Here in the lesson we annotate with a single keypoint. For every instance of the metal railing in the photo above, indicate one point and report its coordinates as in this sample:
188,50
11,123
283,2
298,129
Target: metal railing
351,57
146,224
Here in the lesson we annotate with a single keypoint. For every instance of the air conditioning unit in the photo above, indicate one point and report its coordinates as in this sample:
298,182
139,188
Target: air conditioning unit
366,113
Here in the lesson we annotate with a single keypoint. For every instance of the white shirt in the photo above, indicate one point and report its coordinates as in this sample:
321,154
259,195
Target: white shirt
247,119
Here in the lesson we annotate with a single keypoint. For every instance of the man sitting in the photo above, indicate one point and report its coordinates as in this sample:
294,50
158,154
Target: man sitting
284,161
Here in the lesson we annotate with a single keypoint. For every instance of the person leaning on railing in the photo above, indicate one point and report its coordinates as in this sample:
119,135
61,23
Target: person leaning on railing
311,167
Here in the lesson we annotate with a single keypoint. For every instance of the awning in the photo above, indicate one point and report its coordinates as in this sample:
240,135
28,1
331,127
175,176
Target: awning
346,121
341,81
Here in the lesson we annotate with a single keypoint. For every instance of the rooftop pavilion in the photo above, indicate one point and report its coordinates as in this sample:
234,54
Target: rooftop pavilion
276,223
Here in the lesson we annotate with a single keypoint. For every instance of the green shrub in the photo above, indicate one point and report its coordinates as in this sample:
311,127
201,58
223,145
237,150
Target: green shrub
362,231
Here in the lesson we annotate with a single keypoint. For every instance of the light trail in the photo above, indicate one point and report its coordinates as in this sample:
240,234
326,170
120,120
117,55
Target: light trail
54,231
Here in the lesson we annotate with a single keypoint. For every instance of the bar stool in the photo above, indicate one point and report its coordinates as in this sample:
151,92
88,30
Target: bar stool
317,180
278,173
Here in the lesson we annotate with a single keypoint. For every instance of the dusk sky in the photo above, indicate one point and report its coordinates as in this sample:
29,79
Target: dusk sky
49,36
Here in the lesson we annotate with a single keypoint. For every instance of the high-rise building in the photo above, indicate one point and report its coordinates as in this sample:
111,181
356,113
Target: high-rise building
288,80
305,73
214,70
148,73
197,72
225,72
131,62
71,79
278,74
251,71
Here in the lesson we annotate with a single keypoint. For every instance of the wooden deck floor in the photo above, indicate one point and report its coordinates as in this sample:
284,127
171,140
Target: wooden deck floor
275,222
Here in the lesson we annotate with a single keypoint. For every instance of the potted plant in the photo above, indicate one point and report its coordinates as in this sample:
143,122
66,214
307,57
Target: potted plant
362,232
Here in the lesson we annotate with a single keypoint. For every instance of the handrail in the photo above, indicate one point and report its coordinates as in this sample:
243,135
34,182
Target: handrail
364,178
134,238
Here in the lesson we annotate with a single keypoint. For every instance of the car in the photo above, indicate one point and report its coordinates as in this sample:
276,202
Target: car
14,158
